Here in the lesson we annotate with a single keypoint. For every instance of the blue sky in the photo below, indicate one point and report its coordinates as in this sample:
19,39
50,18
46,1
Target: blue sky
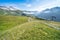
30,4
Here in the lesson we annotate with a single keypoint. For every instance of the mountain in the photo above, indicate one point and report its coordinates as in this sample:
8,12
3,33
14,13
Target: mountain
50,14
10,11
15,12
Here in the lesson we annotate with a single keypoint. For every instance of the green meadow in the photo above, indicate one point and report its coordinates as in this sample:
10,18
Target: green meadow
7,22
18,28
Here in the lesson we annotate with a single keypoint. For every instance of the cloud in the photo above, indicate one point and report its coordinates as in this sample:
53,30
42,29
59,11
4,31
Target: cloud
38,5
28,5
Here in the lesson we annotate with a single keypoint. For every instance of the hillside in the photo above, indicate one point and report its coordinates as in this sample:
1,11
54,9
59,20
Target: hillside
15,25
34,30
8,22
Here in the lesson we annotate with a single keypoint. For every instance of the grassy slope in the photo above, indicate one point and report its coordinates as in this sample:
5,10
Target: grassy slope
31,31
57,24
54,23
7,22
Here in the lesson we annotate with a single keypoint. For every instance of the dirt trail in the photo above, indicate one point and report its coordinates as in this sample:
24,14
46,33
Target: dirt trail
50,25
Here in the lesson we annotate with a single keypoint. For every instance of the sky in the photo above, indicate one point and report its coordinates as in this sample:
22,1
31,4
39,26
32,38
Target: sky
30,5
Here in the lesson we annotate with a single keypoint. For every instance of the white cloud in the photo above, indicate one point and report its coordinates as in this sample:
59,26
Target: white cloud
36,6
47,5
28,5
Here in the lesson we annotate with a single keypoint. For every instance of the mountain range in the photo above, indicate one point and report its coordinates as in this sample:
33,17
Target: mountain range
47,14
50,14
10,11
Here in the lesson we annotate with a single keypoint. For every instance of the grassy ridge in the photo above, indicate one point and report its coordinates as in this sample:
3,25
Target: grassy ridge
57,24
32,31
7,22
